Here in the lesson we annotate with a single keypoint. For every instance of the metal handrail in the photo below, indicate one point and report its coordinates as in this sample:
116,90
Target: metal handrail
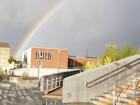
129,76
92,83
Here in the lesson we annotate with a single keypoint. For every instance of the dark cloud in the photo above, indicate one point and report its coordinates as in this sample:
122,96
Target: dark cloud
77,26
80,25
17,17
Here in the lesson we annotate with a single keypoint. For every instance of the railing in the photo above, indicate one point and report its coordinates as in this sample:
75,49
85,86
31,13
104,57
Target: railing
112,73
128,79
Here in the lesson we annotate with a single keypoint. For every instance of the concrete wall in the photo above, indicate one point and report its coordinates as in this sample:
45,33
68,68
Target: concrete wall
74,87
33,72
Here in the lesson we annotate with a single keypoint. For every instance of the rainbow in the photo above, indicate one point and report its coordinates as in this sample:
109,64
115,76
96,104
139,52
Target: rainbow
36,28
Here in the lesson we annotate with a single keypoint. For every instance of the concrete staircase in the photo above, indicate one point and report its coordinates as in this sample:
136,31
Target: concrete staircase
124,95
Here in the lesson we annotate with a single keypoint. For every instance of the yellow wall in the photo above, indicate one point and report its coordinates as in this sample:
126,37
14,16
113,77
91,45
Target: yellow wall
4,56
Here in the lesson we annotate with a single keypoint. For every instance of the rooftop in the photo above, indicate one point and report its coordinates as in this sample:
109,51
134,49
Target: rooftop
47,48
4,45
80,57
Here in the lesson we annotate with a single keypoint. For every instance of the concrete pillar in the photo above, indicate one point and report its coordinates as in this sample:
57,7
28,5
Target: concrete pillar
42,84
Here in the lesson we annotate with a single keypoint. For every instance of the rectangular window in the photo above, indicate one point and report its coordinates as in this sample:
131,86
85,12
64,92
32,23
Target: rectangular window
37,55
53,83
46,56
49,84
41,55
49,56
49,87
58,82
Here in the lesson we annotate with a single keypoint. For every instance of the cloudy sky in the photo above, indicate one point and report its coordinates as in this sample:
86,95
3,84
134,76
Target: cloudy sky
77,26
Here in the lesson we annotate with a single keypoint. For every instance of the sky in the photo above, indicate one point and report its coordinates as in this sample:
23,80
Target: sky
78,26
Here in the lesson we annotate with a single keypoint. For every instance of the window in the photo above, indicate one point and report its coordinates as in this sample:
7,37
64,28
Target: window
48,84
53,83
43,55
46,56
49,56
37,55
40,55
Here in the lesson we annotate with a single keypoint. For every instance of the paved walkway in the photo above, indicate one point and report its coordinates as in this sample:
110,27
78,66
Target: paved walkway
17,96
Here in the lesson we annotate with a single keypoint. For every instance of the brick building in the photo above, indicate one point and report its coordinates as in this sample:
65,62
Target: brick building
53,58
45,58
78,62
4,55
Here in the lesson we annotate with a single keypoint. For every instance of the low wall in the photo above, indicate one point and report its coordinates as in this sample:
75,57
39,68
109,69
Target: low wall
33,72
74,87
24,83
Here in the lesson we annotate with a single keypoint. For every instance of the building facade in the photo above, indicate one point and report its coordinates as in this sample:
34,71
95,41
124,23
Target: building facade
78,62
4,55
45,58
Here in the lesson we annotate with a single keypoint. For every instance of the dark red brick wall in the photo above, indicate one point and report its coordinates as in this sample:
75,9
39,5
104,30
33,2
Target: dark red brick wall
59,58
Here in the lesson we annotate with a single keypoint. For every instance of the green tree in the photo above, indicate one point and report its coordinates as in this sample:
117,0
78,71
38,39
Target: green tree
137,51
111,51
11,60
92,65
106,60
128,50
17,64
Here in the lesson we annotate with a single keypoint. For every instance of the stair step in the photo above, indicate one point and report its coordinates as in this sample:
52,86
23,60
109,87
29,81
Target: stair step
123,103
107,95
130,101
132,91
98,102
125,94
104,99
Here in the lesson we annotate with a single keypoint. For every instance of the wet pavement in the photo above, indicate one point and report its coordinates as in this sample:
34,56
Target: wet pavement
32,96
17,96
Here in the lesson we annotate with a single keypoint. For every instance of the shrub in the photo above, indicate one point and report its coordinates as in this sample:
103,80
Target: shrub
8,77
1,72
11,73
92,65
24,75
112,53
106,60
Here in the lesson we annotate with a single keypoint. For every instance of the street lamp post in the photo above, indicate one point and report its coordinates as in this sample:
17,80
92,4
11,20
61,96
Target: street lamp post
38,67
58,59
39,63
